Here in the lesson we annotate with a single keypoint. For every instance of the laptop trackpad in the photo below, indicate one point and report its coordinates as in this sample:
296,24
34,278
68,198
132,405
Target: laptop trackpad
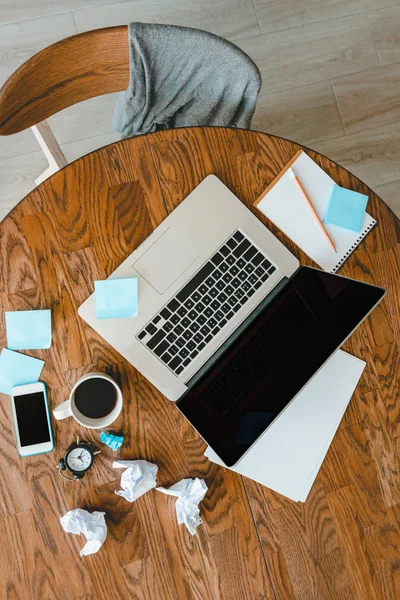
166,260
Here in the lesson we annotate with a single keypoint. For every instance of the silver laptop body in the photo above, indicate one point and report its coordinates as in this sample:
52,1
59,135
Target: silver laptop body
210,257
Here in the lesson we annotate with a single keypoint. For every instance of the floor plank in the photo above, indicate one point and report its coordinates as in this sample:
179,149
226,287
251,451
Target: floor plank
372,155
369,99
373,4
385,25
390,193
12,11
17,177
20,40
85,120
274,16
285,14
312,53
232,19
308,115
18,144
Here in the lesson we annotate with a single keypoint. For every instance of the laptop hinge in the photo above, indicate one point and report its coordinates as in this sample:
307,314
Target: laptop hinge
238,332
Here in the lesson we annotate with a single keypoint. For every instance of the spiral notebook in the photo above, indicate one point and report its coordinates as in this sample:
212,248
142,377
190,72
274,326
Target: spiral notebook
284,205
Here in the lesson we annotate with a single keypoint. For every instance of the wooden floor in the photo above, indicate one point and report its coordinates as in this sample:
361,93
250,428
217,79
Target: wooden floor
331,76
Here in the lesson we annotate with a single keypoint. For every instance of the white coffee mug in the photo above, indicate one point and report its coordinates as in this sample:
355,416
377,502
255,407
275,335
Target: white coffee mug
69,408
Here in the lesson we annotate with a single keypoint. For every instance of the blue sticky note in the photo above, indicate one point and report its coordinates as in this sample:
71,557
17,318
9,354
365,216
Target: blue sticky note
18,369
116,298
346,208
28,329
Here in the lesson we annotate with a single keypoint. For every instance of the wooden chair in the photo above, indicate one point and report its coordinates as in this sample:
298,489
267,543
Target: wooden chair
72,70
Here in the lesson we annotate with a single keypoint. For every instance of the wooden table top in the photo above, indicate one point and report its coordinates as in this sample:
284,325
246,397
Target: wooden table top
343,543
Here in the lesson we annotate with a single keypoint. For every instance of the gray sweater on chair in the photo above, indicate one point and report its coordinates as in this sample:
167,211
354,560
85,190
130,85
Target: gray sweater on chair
182,77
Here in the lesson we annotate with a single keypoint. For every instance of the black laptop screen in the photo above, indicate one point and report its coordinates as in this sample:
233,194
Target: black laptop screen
272,360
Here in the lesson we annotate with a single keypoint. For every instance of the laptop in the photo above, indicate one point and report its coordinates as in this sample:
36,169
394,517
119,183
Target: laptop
230,327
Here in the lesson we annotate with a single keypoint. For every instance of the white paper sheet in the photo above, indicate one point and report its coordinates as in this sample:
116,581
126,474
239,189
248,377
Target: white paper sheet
288,456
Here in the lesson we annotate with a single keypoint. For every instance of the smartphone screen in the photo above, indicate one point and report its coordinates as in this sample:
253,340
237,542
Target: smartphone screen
32,420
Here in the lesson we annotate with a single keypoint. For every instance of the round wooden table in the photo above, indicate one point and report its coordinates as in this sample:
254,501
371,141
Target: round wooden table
343,542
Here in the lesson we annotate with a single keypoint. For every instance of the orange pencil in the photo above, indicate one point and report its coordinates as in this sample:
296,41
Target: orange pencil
307,199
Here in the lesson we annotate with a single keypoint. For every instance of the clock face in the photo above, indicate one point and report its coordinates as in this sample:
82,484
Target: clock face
79,459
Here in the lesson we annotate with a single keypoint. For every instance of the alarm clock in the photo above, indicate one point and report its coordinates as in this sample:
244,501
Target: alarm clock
78,459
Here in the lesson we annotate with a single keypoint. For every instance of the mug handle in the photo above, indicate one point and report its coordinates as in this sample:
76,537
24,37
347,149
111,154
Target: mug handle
62,411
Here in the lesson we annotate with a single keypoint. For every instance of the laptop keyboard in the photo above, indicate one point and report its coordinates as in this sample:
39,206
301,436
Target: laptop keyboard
190,320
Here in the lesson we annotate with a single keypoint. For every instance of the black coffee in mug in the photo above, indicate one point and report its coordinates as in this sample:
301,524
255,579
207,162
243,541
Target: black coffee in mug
95,398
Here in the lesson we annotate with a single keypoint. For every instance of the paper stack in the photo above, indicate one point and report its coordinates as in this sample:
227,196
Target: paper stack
288,456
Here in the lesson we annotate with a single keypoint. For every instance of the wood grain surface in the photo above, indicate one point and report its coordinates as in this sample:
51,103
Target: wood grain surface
74,69
342,544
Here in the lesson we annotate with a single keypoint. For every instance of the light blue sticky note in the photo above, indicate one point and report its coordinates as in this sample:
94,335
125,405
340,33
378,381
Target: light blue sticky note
116,298
346,209
28,329
18,369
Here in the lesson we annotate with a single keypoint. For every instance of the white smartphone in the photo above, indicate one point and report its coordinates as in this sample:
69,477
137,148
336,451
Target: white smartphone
32,419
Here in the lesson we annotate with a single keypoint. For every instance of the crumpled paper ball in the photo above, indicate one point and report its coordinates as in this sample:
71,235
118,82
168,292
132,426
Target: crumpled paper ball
139,477
92,525
189,494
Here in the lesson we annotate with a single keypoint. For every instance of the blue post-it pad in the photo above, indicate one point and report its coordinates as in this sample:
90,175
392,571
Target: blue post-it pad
28,329
346,208
116,298
18,369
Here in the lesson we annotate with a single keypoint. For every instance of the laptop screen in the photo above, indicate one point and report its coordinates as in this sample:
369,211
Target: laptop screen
252,382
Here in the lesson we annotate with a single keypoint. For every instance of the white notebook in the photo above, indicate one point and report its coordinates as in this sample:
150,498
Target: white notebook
284,205
288,456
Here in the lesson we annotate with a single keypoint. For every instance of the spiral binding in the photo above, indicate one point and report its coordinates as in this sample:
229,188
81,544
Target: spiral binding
354,246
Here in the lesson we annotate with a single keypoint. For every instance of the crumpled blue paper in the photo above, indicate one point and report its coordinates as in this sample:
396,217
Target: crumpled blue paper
112,441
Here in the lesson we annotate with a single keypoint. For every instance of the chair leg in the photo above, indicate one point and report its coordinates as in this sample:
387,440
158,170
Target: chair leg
51,149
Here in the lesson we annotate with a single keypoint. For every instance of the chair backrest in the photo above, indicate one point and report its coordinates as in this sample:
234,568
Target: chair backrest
72,70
